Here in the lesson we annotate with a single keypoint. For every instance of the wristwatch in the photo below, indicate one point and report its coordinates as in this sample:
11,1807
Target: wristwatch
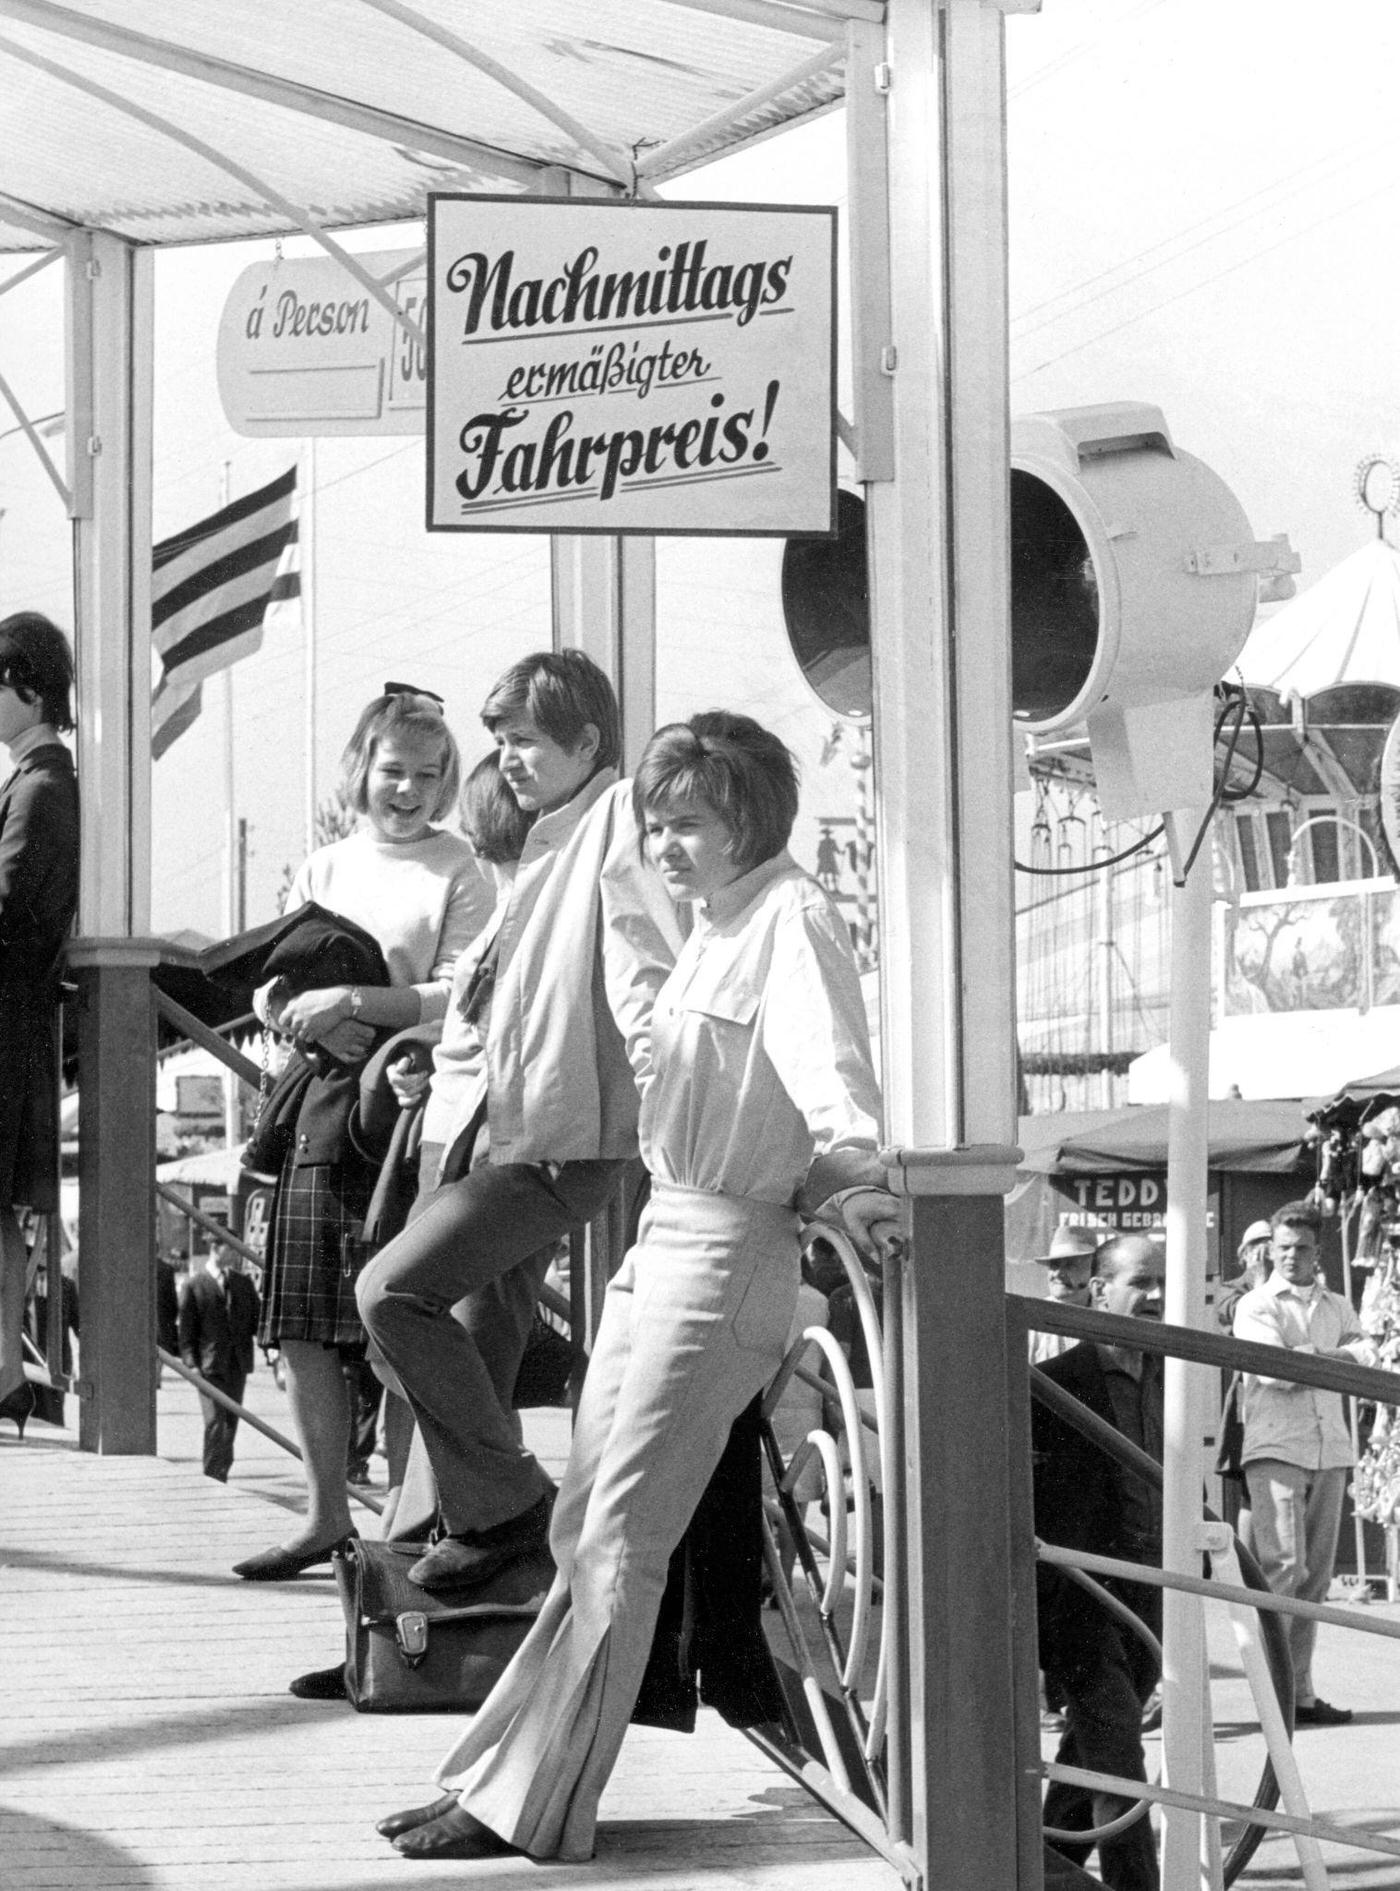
357,1000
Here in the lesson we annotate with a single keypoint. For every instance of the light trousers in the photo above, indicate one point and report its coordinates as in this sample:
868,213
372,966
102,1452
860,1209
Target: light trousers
694,1325
1295,1515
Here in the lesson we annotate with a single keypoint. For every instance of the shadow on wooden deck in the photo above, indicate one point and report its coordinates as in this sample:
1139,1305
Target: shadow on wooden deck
149,1740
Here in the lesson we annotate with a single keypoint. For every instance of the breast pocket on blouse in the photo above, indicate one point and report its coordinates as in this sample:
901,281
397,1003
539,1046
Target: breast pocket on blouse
734,1002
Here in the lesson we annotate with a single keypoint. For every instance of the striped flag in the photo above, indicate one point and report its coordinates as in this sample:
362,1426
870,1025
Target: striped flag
213,589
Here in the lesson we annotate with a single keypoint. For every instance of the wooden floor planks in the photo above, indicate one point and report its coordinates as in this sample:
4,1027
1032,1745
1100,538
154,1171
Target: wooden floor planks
149,1743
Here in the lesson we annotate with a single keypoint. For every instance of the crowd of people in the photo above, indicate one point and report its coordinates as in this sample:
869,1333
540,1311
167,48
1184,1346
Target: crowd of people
604,979
1100,1671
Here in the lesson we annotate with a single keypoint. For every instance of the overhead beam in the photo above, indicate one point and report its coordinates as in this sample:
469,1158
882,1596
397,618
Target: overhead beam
618,168
41,222
274,199
813,19
660,160
391,127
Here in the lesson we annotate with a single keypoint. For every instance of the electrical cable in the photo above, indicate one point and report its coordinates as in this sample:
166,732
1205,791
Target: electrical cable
1095,866
1236,703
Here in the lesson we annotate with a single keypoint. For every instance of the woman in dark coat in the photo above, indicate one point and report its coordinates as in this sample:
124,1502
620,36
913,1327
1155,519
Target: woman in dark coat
38,897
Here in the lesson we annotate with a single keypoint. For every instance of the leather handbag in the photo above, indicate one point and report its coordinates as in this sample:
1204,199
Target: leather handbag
409,1651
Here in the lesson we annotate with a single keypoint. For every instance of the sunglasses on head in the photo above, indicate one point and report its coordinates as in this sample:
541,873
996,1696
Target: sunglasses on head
412,689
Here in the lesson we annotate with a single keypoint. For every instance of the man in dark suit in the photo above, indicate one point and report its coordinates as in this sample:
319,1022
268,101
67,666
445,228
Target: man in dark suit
218,1319
38,896
1100,1668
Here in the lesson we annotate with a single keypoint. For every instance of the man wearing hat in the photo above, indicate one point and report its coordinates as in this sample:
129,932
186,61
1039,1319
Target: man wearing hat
1253,1257
1071,1264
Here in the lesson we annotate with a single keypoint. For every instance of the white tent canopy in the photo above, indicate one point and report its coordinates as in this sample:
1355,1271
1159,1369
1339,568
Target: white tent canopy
1345,629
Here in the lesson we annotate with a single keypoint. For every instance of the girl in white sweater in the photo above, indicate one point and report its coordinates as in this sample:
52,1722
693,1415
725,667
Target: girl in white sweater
416,888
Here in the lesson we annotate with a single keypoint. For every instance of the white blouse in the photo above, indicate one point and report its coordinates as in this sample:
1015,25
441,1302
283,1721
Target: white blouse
760,1052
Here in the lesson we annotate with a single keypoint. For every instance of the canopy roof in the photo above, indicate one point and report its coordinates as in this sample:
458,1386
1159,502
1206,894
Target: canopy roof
1345,629
1244,1137
221,118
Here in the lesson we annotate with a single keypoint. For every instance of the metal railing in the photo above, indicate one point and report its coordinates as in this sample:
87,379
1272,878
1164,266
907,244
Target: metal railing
843,1742
1270,1683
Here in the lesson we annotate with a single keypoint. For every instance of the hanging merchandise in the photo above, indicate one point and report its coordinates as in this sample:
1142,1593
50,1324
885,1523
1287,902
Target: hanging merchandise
1358,1140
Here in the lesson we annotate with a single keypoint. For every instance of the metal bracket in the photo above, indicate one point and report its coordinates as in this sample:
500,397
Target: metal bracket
1274,554
884,77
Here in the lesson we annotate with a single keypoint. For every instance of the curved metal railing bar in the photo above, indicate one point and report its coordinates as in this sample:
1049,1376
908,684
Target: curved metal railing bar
872,1331
860,1491
792,1516
806,1667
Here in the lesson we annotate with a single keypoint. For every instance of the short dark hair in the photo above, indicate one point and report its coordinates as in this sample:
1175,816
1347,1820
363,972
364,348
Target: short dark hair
1122,1250
1297,1215
36,660
735,766
399,712
492,819
562,692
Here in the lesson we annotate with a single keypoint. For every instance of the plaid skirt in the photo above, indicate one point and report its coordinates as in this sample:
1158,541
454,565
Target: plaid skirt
315,1253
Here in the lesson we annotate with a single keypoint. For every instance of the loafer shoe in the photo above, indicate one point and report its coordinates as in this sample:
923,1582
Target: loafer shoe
279,1565
414,1816
471,1557
320,1684
1321,1714
456,1834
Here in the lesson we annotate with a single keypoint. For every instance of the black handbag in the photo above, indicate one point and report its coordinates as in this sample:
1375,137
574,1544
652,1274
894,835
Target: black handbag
408,1651
1229,1451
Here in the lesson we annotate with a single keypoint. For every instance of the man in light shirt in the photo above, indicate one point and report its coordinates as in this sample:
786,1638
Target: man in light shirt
1297,1448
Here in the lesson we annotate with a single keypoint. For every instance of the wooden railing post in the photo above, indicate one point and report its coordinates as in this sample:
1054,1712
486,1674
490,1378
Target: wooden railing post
116,1213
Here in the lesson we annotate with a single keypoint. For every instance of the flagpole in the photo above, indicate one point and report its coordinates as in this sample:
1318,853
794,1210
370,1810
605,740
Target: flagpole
232,1125
307,536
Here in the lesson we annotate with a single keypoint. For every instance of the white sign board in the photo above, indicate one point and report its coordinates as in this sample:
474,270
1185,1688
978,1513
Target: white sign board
306,349
607,366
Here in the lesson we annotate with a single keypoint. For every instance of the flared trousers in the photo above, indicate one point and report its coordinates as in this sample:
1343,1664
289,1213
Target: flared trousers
694,1324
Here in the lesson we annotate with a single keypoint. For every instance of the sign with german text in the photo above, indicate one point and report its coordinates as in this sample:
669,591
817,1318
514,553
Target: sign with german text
608,366
304,348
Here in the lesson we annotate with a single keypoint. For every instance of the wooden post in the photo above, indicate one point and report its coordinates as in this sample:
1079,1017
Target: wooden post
109,445
116,1215
931,149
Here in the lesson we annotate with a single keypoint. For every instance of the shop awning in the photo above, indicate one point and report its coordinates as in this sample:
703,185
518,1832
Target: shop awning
1249,1137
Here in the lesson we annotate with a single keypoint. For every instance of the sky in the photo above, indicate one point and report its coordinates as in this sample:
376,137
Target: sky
1201,199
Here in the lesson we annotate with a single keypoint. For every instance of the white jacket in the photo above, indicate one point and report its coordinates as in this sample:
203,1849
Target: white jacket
587,937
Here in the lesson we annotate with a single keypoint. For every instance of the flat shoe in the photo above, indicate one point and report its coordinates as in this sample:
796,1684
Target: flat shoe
321,1684
471,1557
1321,1714
414,1816
279,1565
455,1835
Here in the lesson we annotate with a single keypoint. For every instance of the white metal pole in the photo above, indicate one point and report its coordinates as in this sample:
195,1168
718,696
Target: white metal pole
306,539
232,1127
1185,1698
